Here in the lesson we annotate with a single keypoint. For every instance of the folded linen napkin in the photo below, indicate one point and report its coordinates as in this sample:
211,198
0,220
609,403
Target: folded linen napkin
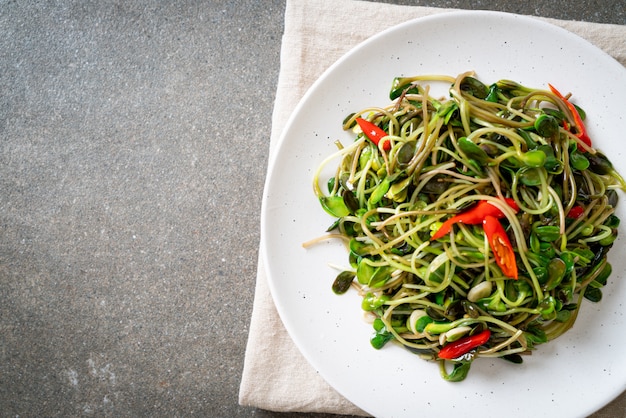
275,375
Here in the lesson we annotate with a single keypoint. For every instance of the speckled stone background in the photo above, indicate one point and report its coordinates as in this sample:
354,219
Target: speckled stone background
133,147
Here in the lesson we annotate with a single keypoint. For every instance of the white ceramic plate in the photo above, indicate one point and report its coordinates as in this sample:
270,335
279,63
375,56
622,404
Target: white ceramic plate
574,375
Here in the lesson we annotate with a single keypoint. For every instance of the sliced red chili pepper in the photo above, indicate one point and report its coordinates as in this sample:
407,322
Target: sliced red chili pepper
500,246
473,216
575,212
464,345
373,132
581,132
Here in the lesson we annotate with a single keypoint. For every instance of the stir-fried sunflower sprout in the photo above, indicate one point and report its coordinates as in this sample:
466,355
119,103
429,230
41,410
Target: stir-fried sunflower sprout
438,159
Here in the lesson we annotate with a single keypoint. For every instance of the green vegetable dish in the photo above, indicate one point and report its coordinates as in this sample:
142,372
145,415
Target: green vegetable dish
476,224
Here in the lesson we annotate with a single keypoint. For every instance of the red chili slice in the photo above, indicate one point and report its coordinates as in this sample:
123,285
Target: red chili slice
373,132
464,345
474,216
500,246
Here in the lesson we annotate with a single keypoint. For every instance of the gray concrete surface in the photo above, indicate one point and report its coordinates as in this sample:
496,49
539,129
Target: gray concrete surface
133,146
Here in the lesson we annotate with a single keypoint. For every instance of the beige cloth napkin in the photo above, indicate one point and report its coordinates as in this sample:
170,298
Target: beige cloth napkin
275,375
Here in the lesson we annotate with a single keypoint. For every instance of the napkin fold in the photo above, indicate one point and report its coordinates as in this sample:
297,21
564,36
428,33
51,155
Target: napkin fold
275,374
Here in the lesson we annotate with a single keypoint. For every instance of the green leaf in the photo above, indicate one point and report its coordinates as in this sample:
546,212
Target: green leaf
365,156
547,233
381,336
494,90
359,247
535,158
578,160
531,176
612,222
342,282
563,315
379,192
381,276
535,336
530,142
398,191
330,184
547,308
541,273
421,323
556,272
598,163
474,87
371,301
459,371
603,276
472,151
400,84
378,324
447,111
364,271
350,200
334,206
593,294
569,258
406,153
513,358
547,126
553,165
